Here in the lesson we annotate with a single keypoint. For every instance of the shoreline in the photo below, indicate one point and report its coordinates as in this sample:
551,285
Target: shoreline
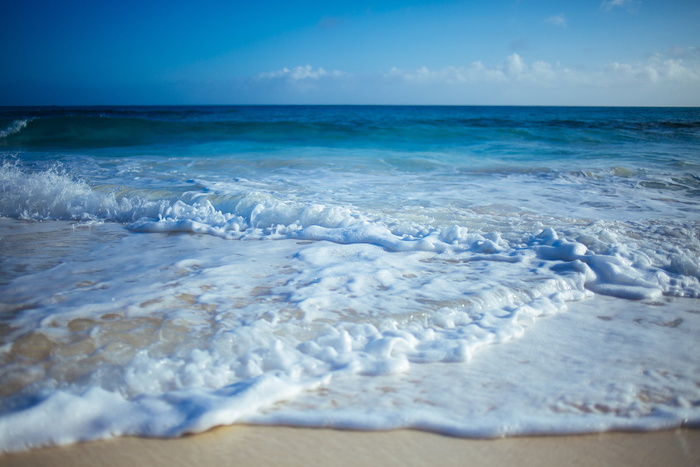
247,445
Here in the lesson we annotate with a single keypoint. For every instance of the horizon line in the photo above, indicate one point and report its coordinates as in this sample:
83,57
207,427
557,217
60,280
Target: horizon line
354,105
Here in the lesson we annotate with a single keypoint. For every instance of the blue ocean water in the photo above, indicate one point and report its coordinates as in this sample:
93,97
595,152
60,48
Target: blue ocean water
168,269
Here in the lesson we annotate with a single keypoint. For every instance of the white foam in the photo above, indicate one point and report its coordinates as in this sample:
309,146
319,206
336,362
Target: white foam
99,414
351,289
161,335
604,365
54,195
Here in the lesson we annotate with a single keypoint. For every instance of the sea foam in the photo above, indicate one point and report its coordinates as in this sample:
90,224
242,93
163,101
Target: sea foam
476,272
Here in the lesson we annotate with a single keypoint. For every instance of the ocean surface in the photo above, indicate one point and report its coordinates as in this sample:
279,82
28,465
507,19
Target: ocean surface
472,271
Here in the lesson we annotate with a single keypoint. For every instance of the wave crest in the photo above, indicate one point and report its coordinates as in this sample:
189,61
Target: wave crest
51,194
15,127
54,195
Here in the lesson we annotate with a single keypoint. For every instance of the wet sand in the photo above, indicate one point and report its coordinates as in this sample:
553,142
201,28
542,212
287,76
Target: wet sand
286,446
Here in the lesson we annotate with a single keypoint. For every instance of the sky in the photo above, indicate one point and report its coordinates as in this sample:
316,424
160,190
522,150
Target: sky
479,52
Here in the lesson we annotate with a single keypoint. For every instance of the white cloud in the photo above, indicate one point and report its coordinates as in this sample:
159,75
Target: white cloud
514,69
514,66
557,20
661,79
303,79
303,84
299,73
674,67
656,70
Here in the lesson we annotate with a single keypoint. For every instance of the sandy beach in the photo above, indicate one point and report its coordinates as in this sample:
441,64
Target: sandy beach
246,445
286,446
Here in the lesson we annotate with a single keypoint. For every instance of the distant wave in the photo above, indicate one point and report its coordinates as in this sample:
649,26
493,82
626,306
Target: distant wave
90,131
14,127
347,126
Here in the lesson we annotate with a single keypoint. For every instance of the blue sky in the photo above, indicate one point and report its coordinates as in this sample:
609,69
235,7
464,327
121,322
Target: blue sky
498,52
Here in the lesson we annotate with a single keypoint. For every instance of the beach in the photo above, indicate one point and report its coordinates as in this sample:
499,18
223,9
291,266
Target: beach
295,446
285,446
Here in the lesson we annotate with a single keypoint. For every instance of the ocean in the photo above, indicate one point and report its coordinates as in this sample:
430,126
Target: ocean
471,271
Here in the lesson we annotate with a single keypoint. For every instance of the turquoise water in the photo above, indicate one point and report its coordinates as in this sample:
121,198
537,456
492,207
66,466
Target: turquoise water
168,269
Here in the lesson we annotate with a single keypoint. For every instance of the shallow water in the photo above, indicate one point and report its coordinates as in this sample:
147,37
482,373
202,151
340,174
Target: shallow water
471,271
